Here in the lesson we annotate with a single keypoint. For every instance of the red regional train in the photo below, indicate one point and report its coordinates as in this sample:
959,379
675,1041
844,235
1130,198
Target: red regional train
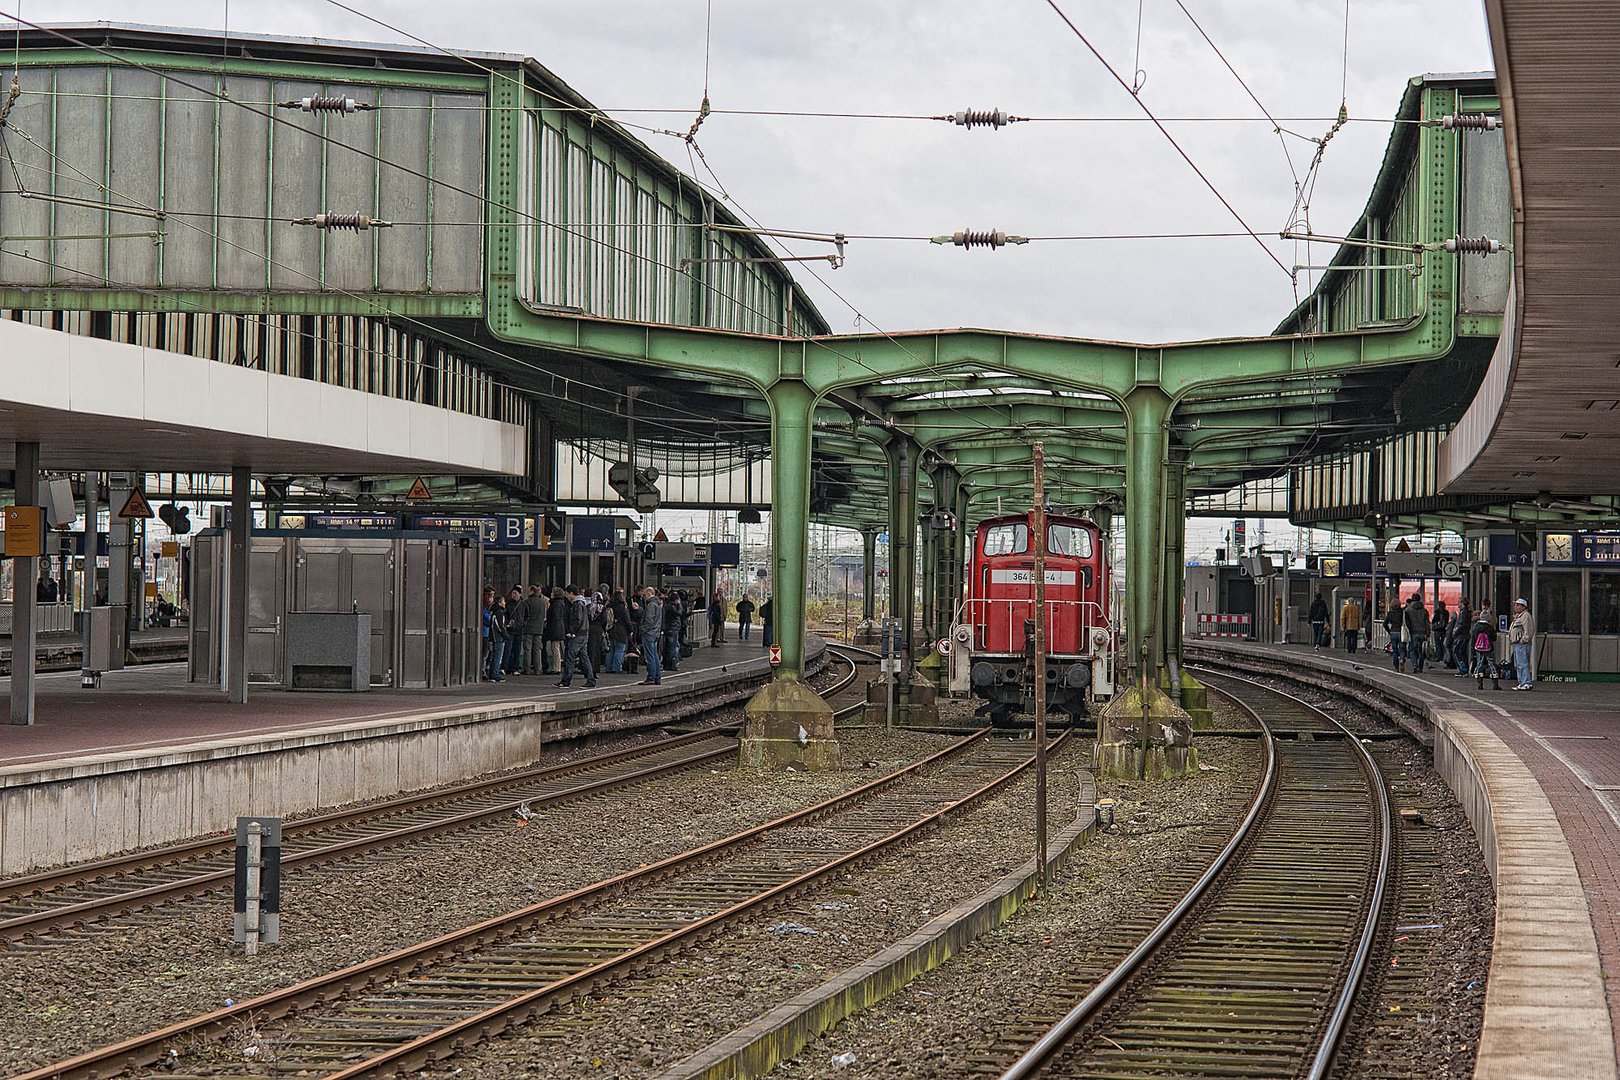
995,629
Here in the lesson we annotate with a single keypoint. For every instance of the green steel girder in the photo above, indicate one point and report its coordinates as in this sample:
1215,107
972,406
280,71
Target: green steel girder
1060,453
1255,426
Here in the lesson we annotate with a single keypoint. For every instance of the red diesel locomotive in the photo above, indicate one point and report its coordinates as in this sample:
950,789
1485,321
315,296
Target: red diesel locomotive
995,627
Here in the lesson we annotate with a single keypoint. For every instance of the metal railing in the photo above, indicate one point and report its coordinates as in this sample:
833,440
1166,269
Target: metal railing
48,618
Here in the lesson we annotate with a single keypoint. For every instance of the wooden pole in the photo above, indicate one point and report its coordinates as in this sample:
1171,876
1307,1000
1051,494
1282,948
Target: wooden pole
1038,545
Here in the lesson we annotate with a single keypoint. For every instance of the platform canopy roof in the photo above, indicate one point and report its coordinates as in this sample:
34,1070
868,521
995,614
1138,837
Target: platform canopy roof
598,282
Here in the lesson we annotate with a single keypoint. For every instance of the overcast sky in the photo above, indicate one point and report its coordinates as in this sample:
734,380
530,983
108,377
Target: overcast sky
921,178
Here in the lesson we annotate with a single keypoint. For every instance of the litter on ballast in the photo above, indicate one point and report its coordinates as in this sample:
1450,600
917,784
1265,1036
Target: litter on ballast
783,929
844,1060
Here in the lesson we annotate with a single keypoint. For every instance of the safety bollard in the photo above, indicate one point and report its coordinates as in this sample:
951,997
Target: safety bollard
258,882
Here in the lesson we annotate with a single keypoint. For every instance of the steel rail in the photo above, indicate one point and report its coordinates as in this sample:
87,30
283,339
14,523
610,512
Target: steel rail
68,914
438,1044
1330,1034
21,891
148,1048
1048,1045
1333,1033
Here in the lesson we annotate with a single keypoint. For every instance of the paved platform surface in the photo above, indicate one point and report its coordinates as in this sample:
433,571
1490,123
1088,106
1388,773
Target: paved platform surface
1566,734
153,706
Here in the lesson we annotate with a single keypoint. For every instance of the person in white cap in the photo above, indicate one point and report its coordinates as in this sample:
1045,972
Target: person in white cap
1520,632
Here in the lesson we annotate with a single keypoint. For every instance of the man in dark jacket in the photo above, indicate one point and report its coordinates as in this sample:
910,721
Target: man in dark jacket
674,620
1319,622
535,609
1416,618
717,619
600,615
556,630
618,632
576,638
1439,624
766,614
516,614
1394,622
652,634
745,616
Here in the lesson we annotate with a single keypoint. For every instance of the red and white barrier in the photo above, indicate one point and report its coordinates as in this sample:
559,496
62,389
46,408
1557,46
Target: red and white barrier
1233,626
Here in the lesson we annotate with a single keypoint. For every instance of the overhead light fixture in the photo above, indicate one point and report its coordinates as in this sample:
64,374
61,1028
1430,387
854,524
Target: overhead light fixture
1601,405
1547,457
1524,475
748,516
1575,435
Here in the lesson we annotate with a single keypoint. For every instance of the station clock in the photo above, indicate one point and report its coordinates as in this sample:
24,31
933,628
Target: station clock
1558,547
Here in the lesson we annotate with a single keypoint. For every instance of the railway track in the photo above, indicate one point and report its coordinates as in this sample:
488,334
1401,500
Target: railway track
37,910
406,1009
1255,970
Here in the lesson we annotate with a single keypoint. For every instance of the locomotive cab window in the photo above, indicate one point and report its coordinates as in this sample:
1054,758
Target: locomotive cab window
1068,540
1007,539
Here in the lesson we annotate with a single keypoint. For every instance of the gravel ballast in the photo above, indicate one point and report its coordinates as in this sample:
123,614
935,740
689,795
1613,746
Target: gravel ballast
641,1027
141,972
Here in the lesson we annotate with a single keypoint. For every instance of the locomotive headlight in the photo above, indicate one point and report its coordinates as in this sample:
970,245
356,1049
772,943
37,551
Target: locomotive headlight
1099,639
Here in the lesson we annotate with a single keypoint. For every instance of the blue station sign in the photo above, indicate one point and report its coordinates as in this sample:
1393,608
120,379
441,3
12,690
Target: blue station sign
502,532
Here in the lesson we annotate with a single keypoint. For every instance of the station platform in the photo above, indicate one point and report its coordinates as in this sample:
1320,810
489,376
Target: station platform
1539,774
150,758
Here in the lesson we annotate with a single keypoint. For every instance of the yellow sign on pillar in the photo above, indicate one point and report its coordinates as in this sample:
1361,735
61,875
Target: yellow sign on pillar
25,531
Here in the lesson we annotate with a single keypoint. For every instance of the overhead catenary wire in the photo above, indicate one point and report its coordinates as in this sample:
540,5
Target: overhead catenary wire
1166,133
614,112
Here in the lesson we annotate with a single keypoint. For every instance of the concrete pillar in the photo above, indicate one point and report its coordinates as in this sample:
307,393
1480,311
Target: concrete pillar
869,573
786,723
236,622
25,578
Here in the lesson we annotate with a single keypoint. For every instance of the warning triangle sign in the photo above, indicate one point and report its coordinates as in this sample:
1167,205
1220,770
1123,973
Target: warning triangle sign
661,538
136,505
419,491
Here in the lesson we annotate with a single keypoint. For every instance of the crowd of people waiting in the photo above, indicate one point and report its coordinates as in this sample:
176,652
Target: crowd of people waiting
568,629
1463,641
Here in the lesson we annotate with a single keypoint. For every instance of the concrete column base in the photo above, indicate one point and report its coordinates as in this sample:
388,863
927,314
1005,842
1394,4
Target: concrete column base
1194,699
919,709
1170,750
787,725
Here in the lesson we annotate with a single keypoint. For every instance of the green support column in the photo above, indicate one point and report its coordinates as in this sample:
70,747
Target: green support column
959,542
947,547
1184,690
913,703
928,548
1175,559
1143,732
787,723
869,537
